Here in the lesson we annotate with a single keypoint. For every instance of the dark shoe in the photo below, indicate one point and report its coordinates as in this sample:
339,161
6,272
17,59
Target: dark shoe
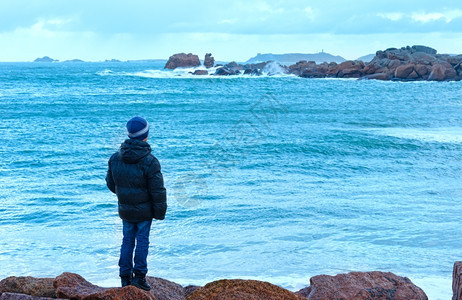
126,280
140,282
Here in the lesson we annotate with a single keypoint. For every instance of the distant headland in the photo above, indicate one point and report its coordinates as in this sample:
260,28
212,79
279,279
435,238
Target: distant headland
291,58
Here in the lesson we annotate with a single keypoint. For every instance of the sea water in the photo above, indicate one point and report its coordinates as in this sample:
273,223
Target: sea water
275,178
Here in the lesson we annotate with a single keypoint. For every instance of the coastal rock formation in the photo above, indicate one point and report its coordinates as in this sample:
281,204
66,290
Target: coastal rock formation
39,287
200,72
74,286
242,289
15,296
363,285
352,286
405,64
209,61
457,281
188,290
163,289
182,60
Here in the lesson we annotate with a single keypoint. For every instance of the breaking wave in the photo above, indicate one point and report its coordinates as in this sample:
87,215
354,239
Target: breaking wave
270,70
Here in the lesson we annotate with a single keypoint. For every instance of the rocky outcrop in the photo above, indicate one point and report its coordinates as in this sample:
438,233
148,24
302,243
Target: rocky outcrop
405,64
242,289
39,287
457,281
200,72
163,289
74,286
188,290
364,285
15,296
209,61
182,60
351,286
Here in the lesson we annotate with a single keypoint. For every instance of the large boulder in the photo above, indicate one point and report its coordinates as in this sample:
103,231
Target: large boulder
163,289
309,69
224,71
74,286
16,296
403,72
188,290
182,60
378,76
39,287
442,72
242,289
209,61
200,72
234,66
424,49
364,285
349,69
457,281
454,60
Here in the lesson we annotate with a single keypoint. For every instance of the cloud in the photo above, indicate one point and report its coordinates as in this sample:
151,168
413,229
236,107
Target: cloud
446,16
46,24
396,16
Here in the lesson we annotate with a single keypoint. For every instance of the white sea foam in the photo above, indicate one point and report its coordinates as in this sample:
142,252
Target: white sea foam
436,288
273,70
440,135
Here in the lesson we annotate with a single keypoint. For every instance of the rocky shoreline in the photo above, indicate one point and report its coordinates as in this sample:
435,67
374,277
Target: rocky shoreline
349,286
416,63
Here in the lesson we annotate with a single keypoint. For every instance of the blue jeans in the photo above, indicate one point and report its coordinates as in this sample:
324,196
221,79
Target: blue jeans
139,232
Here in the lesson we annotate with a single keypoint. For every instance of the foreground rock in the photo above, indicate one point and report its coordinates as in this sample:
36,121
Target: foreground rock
16,296
457,281
39,287
182,60
242,289
362,285
352,286
163,289
74,286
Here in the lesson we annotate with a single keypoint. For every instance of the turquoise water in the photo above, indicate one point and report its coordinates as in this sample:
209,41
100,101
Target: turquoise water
276,178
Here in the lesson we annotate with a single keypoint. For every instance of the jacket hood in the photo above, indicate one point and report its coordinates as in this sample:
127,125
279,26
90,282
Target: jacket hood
132,151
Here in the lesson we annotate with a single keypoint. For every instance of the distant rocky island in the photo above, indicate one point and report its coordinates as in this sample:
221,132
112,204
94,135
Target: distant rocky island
291,58
45,59
416,63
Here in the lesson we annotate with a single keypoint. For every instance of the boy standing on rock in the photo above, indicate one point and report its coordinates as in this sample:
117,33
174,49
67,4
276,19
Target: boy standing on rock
134,175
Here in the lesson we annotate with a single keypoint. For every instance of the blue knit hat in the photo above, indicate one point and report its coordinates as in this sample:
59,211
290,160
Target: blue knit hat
138,128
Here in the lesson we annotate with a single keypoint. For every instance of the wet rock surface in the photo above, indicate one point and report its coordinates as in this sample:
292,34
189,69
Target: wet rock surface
354,285
39,287
242,289
457,281
364,285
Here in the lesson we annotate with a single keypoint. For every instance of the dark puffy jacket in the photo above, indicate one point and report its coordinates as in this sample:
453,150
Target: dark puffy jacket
134,175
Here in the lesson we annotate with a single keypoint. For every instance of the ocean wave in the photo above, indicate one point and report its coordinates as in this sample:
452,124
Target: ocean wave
271,71
440,135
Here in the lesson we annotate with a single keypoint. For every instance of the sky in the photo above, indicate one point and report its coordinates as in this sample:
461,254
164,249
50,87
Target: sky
95,30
